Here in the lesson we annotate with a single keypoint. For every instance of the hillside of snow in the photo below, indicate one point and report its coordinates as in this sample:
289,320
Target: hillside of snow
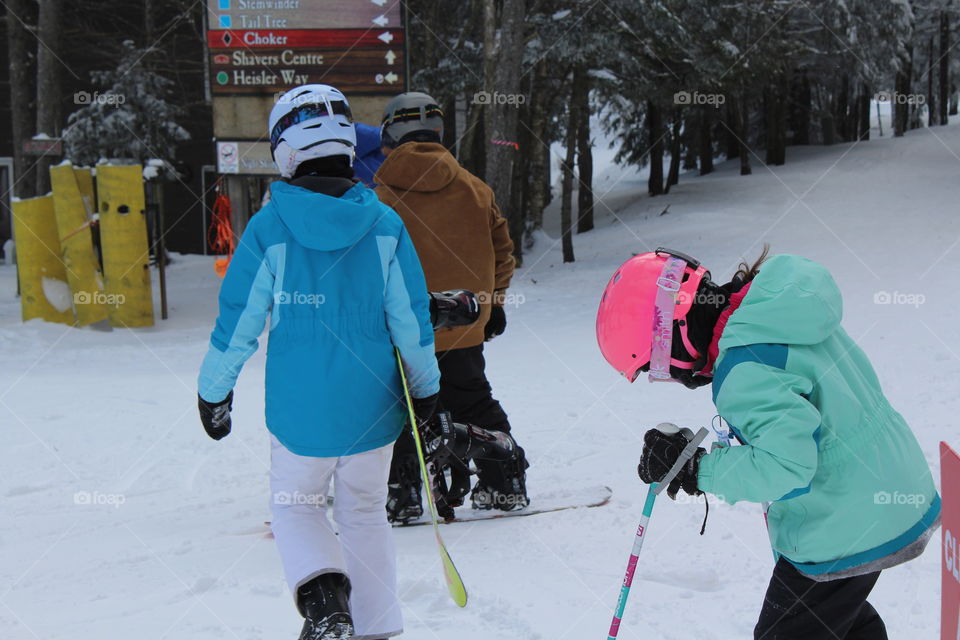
123,520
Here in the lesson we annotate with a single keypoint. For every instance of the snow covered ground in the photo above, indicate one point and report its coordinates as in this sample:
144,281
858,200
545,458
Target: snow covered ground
121,519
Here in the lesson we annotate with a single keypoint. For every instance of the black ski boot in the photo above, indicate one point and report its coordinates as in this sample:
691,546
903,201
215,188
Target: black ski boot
324,603
502,484
403,485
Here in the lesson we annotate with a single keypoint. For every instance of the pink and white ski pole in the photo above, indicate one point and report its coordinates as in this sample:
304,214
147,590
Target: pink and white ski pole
652,492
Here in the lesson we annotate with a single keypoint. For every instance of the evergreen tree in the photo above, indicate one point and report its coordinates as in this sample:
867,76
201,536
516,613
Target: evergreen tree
130,119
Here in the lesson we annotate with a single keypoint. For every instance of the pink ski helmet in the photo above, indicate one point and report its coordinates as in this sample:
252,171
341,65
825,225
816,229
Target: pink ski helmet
635,319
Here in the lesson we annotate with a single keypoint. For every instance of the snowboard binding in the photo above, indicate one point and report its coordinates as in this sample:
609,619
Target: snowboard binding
450,446
404,484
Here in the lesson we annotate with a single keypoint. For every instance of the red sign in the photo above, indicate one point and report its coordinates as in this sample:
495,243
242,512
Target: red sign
950,594
300,38
43,147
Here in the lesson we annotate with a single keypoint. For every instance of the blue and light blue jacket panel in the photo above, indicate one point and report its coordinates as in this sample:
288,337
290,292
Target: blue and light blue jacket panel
848,483
342,285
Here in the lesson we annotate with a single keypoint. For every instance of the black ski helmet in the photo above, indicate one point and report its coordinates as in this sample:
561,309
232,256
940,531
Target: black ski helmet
411,116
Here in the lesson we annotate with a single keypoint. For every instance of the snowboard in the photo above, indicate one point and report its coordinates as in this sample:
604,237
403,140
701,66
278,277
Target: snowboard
558,500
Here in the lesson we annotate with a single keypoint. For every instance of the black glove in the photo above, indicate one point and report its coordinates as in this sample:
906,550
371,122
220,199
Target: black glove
424,408
660,452
496,324
215,416
454,308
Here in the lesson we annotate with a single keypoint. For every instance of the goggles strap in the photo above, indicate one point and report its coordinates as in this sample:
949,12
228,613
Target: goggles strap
308,111
668,286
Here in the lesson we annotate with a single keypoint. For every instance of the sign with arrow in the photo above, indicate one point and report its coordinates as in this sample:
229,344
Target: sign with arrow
302,14
245,71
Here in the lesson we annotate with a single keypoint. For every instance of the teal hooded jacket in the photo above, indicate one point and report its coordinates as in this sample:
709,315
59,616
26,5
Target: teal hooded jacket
849,487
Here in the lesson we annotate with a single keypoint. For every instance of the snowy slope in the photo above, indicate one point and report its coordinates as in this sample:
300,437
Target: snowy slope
123,520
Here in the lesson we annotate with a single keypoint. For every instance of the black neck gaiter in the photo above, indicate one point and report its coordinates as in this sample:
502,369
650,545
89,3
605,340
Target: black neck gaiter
710,301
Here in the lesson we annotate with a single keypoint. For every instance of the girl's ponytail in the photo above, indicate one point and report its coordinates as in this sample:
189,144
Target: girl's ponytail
745,272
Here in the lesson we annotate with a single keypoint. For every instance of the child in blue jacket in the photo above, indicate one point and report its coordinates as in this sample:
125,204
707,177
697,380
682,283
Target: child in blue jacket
337,274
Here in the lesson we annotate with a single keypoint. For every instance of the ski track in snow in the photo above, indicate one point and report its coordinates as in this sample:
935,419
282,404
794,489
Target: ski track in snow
123,520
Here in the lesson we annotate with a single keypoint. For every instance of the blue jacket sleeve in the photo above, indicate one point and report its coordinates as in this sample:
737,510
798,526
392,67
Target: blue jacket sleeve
246,298
407,306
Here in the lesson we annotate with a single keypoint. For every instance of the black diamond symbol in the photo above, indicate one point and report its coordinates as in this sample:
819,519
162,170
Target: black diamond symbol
227,38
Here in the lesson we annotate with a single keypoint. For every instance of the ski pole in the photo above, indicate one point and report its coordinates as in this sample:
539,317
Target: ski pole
652,492
454,582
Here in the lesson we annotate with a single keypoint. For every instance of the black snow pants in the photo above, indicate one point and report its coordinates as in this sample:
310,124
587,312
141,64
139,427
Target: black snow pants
799,608
465,391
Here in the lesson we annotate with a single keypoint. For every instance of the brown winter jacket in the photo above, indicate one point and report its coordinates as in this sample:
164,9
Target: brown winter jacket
456,227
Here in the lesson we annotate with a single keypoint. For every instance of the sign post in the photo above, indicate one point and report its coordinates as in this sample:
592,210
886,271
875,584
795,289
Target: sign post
950,593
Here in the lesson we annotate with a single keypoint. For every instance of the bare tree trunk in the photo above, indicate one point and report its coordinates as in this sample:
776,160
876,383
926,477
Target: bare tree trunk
743,122
519,223
687,141
566,200
21,96
655,133
899,106
538,150
501,121
827,129
450,124
524,182
730,115
581,100
776,122
673,174
840,117
944,66
800,109
472,148
931,100
148,23
863,113
48,81
706,140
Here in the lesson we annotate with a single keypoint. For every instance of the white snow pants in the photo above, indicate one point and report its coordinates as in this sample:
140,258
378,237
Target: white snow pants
364,549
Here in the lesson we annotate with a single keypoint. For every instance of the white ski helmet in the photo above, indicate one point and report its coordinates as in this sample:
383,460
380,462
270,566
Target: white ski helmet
310,121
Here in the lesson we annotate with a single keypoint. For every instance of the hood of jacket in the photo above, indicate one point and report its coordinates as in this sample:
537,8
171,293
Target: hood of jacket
792,300
368,139
323,222
418,166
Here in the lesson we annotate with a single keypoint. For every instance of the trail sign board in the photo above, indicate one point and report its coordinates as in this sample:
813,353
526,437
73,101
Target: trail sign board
266,46
257,49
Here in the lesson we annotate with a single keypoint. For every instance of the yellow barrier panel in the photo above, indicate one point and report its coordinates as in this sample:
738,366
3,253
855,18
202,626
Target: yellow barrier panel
84,178
123,236
76,246
44,292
